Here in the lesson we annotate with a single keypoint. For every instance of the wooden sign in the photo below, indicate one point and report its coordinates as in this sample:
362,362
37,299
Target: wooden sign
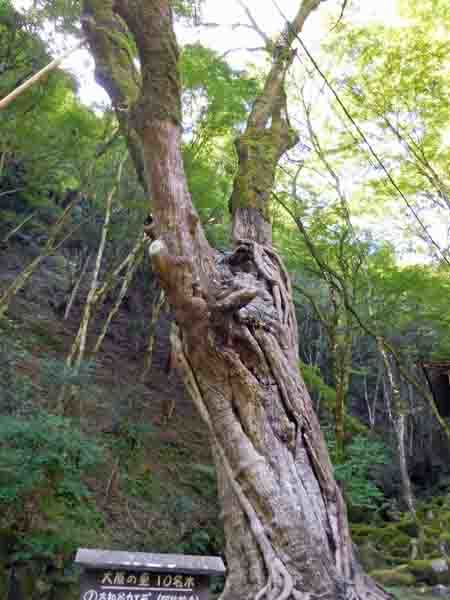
113,575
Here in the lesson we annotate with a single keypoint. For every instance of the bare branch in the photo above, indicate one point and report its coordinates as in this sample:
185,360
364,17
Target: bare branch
231,50
341,16
254,23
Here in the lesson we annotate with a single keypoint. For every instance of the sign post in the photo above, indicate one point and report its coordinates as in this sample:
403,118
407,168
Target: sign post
116,575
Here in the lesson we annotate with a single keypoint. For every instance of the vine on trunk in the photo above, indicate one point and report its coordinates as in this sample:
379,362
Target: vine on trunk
247,316
285,521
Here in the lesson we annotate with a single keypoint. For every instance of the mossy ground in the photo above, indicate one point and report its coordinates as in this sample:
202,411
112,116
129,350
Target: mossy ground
407,593
386,549
394,540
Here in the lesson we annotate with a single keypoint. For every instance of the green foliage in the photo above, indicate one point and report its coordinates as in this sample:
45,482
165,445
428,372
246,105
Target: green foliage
393,78
49,140
216,100
203,479
201,541
131,438
188,9
216,97
314,381
356,472
55,372
393,577
62,14
43,461
16,389
41,449
411,301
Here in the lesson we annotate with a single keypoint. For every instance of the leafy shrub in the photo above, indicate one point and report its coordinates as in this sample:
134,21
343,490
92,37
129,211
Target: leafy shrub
315,382
44,449
54,371
43,459
20,392
16,391
356,473
131,437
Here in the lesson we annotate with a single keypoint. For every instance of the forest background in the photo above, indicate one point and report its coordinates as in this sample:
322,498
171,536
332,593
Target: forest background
360,215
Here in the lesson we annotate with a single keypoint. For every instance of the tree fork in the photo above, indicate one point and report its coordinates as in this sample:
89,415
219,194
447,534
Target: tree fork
285,520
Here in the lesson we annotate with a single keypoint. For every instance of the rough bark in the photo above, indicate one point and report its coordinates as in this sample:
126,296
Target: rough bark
115,69
236,344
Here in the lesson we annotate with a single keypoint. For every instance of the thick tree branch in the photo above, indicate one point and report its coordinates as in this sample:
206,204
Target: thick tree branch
148,107
115,69
156,117
267,137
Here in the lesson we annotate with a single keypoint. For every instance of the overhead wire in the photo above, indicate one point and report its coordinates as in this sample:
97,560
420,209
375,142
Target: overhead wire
361,134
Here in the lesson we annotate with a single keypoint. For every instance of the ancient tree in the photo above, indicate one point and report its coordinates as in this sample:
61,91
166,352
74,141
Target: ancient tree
236,340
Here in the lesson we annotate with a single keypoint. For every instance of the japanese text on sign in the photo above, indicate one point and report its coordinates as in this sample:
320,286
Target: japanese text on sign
123,585
99,595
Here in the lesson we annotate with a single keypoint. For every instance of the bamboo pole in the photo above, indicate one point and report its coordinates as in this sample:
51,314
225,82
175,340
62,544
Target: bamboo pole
18,228
2,162
49,248
77,350
111,279
76,287
132,266
157,305
6,101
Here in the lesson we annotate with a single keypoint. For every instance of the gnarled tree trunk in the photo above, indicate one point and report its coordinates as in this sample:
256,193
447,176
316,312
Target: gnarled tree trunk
236,345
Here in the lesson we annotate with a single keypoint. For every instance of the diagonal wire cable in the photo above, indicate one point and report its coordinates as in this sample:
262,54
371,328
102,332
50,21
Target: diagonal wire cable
362,135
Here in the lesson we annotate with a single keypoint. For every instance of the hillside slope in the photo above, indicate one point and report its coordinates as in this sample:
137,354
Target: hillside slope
154,487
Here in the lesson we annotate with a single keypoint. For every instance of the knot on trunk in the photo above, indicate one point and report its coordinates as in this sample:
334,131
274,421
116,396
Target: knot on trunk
183,290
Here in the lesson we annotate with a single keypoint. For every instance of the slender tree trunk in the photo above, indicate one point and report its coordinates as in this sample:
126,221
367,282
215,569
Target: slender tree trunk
76,354
157,305
3,157
399,417
76,287
342,386
112,277
342,369
341,360
372,406
287,534
375,395
115,309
